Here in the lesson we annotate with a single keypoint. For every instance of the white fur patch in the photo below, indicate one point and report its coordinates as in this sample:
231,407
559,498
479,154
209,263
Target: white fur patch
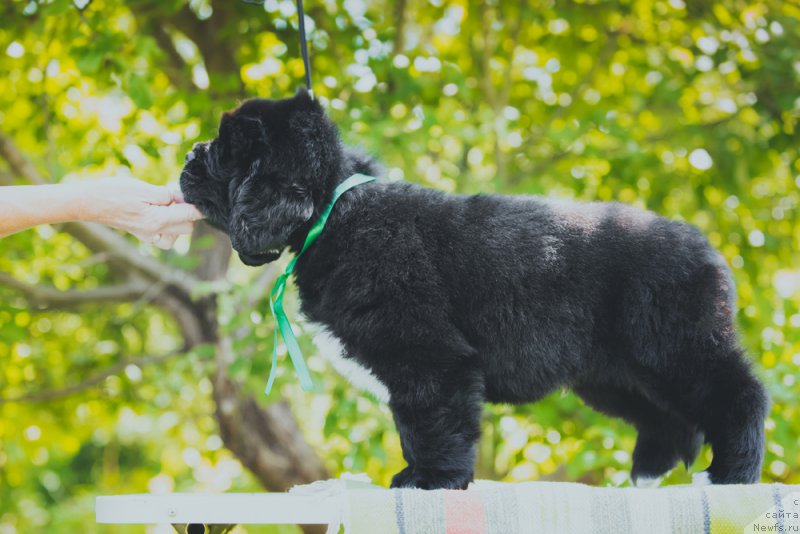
648,482
582,216
587,216
551,248
332,350
701,479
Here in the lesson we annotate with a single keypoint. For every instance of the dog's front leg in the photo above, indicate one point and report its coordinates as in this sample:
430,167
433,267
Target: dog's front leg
438,429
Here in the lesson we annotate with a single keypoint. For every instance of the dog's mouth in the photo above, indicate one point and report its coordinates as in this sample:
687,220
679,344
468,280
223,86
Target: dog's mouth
265,256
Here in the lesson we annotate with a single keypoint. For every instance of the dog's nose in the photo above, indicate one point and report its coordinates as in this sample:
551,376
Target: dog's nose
190,156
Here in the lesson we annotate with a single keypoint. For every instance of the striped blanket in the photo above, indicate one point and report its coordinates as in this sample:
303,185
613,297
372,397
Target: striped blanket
566,508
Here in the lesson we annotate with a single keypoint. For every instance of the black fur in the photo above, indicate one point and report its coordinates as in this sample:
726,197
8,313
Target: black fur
455,300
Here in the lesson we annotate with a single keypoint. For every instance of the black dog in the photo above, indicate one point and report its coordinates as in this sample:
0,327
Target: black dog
445,301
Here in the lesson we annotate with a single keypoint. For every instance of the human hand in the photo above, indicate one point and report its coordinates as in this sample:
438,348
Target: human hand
154,214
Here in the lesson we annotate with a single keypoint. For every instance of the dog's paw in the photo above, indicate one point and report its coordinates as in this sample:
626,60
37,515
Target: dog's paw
647,482
430,480
701,479
400,480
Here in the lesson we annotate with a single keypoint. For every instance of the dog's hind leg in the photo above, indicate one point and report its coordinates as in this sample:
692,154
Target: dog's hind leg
731,411
663,439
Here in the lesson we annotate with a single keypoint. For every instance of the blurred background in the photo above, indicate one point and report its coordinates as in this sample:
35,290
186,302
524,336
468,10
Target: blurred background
126,369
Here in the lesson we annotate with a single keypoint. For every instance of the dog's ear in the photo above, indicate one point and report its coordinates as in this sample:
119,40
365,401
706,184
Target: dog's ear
303,99
263,217
238,135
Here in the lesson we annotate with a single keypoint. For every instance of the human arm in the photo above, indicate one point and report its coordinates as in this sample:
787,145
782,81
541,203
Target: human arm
152,213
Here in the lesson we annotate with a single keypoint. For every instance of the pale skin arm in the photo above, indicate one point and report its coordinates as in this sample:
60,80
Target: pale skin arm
152,213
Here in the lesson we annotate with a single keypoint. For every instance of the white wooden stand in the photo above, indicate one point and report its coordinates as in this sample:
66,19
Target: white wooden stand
219,509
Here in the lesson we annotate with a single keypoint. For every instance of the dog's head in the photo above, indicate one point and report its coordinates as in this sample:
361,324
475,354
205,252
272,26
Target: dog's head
266,174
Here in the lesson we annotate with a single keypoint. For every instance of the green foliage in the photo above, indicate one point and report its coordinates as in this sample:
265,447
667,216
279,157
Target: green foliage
688,109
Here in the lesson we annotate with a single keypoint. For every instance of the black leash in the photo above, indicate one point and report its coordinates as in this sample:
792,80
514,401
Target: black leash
303,45
301,23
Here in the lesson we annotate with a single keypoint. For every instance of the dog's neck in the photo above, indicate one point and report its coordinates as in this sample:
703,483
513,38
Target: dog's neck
352,162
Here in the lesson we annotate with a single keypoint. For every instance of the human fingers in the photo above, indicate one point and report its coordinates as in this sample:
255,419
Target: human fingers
179,213
179,229
161,240
164,241
161,195
128,189
177,195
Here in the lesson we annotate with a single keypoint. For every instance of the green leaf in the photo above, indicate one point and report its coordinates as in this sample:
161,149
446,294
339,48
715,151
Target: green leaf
139,91
239,368
59,7
150,150
205,352
89,60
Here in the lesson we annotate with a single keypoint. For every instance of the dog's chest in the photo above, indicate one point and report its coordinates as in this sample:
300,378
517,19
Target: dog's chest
331,348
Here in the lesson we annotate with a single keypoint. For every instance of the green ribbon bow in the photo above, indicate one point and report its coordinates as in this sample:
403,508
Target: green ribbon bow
276,297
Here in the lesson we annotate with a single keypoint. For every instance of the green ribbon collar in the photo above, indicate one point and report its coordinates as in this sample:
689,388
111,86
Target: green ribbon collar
283,326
